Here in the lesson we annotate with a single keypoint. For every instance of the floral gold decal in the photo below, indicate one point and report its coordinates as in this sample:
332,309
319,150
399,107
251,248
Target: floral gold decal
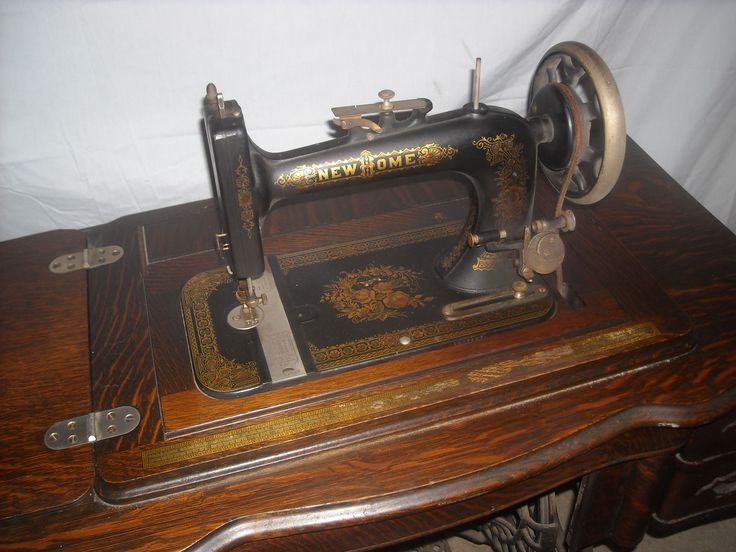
366,167
370,348
508,156
375,293
485,261
245,199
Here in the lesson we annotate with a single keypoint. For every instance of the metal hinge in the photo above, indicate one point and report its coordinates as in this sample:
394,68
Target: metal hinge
95,426
223,243
87,258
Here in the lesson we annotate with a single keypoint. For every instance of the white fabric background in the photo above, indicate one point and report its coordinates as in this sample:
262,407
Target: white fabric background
101,101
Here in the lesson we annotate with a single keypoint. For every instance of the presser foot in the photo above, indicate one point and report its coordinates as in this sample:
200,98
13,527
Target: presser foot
244,318
248,314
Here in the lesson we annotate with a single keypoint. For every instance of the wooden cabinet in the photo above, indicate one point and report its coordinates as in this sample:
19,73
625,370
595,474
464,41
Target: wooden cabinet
369,457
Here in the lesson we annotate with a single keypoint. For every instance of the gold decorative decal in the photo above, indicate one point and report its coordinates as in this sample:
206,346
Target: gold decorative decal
502,151
213,370
311,420
375,293
489,373
245,199
366,167
373,404
370,348
602,342
331,253
485,261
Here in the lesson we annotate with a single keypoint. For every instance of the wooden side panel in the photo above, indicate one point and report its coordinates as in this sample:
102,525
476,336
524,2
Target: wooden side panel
703,488
615,504
44,373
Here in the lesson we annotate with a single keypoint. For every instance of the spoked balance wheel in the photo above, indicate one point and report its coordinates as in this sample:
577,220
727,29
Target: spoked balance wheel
574,96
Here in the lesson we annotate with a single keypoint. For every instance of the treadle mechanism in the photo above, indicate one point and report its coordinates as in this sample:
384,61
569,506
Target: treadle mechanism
532,527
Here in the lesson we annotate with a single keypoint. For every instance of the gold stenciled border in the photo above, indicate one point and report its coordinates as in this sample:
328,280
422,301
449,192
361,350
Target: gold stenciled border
213,370
245,198
373,347
365,167
315,419
331,253
601,342
372,404
502,151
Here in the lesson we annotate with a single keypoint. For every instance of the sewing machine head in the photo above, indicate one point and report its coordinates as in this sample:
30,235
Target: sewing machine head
437,285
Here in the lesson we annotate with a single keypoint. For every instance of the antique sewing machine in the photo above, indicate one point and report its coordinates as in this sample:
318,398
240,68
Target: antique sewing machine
285,317
391,328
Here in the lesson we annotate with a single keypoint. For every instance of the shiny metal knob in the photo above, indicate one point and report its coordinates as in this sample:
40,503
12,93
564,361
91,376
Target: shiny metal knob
386,96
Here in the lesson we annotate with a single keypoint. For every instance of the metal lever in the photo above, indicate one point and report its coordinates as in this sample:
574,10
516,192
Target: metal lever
352,116
519,294
385,105
346,123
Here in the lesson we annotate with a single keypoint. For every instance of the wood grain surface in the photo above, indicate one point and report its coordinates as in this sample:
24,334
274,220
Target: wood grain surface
448,460
44,374
573,347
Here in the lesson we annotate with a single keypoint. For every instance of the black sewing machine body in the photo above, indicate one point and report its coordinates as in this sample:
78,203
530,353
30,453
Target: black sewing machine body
283,318
492,149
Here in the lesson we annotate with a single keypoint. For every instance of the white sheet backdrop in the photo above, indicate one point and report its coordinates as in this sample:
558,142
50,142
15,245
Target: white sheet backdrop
101,100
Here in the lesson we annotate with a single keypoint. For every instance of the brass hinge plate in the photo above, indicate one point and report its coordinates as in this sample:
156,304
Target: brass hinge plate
86,259
95,426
